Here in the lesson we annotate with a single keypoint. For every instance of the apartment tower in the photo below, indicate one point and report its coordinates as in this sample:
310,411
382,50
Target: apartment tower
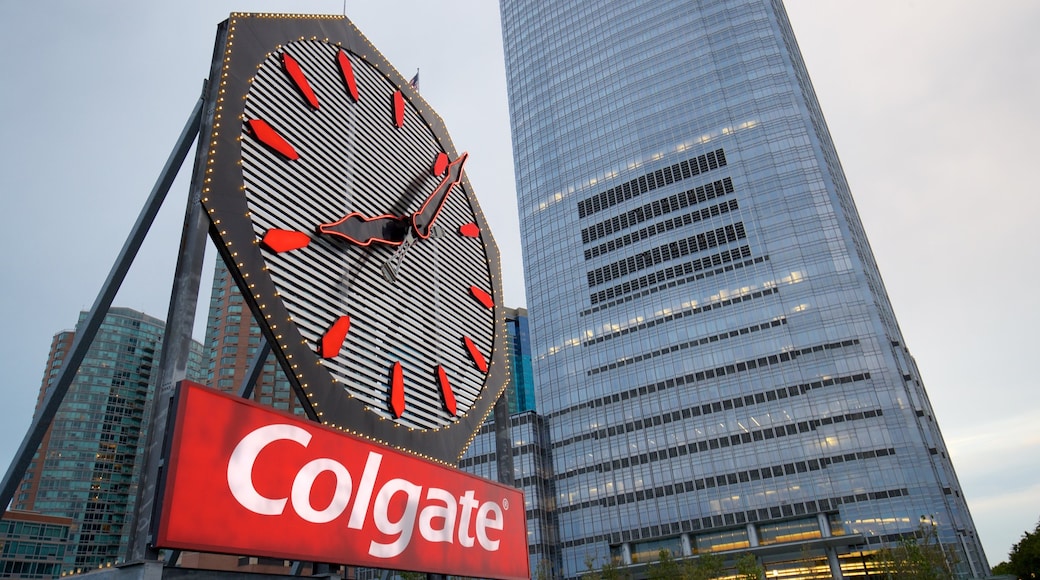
713,347
88,465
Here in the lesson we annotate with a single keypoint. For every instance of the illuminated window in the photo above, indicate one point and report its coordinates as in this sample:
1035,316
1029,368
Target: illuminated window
790,531
720,541
651,551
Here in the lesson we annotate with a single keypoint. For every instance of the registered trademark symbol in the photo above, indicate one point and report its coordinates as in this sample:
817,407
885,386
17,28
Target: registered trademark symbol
505,503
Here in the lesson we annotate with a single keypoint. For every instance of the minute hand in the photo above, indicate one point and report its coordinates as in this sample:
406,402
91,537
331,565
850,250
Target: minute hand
423,219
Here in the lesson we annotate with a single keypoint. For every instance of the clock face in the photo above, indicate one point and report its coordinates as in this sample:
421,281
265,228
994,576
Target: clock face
342,208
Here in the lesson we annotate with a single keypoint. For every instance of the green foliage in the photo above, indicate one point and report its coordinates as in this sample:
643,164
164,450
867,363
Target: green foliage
610,570
704,567
1024,557
543,571
665,568
1003,569
916,558
748,568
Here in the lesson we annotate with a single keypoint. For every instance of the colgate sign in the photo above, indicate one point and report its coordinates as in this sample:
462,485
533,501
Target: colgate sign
244,479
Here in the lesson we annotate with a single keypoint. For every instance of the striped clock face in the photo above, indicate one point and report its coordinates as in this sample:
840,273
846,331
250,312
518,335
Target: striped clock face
341,207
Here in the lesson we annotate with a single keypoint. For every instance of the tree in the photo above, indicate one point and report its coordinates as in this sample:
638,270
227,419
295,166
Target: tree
919,557
610,570
1024,557
665,568
706,567
544,570
748,568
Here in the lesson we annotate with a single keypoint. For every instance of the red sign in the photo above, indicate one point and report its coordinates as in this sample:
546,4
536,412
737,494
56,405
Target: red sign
245,479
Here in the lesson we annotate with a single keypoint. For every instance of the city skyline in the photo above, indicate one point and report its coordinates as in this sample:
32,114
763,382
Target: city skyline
58,153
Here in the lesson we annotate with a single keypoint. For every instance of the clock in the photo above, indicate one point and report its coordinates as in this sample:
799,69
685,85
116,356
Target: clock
343,211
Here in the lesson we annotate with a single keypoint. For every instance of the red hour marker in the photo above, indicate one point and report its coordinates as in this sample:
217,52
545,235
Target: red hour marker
470,230
446,394
398,109
268,136
474,353
440,164
284,240
332,341
482,297
348,75
296,74
397,390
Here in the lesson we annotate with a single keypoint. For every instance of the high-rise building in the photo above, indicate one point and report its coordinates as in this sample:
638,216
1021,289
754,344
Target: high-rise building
33,545
88,465
714,349
520,389
528,438
233,340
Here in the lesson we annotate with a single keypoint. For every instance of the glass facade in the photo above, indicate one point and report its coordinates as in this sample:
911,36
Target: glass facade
529,445
32,545
88,465
713,345
232,341
520,389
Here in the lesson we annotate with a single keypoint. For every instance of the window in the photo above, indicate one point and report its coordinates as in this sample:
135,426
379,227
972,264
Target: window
790,531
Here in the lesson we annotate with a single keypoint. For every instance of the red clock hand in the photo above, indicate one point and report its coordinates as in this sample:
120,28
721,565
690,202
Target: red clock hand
361,230
423,219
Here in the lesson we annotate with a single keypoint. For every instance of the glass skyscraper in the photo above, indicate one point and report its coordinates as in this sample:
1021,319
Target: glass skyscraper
713,347
528,438
89,462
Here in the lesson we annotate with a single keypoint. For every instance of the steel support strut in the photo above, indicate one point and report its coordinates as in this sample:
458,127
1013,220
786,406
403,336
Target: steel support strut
86,331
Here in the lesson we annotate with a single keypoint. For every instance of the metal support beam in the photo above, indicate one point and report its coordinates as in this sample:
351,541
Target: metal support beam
86,332
504,442
173,364
256,366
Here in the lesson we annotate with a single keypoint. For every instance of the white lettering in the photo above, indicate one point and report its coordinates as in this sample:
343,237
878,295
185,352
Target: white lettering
468,504
447,512
301,491
485,521
437,521
359,512
240,467
403,526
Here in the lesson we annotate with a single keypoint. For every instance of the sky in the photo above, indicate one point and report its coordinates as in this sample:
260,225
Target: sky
932,106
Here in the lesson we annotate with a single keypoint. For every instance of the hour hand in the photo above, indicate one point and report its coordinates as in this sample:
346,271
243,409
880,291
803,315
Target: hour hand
423,219
363,231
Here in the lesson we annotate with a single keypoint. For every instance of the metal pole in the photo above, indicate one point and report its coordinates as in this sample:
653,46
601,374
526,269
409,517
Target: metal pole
176,347
179,322
86,332
256,366
504,442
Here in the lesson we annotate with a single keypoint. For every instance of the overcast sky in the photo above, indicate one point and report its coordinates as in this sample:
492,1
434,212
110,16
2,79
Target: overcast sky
932,104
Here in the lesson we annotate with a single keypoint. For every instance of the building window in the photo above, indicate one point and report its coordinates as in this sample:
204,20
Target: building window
651,551
790,531
724,540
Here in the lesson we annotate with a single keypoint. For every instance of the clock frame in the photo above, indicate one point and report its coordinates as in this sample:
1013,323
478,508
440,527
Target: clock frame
310,124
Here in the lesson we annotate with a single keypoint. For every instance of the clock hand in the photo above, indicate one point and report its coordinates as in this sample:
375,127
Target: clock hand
393,264
361,230
423,219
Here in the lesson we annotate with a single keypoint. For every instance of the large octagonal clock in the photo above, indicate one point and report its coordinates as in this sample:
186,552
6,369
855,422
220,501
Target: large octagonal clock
342,209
